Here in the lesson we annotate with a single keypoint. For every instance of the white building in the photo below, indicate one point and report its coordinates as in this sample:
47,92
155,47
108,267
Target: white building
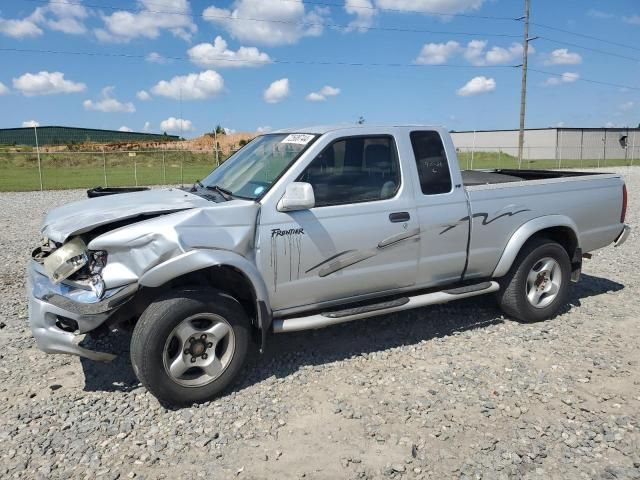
555,143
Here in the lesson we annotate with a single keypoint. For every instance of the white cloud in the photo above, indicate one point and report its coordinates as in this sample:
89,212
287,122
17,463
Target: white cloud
476,55
567,77
365,14
46,83
147,127
263,129
427,6
277,91
474,52
3,89
143,96
284,22
315,97
155,57
154,17
19,28
124,128
592,12
632,20
30,124
65,16
625,107
436,53
195,86
229,131
173,124
329,91
218,55
477,85
323,93
108,103
563,56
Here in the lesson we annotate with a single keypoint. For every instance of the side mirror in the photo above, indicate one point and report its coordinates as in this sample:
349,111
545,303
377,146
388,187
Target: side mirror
298,196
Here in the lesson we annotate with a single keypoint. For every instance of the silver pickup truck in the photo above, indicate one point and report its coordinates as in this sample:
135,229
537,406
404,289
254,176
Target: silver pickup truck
302,229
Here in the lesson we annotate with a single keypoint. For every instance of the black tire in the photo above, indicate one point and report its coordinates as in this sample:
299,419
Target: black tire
512,296
156,324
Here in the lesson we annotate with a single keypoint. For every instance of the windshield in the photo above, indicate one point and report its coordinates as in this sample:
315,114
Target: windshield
251,171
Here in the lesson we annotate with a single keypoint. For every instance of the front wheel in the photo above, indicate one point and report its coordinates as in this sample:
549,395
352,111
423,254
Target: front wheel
536,287
188,346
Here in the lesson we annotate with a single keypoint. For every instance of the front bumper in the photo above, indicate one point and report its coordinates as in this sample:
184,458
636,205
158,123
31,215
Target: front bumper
51,306
626,230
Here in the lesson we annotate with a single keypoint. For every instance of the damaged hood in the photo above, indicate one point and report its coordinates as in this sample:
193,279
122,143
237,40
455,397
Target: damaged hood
85,215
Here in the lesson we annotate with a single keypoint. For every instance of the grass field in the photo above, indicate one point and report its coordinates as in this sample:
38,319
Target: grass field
19,170
484,160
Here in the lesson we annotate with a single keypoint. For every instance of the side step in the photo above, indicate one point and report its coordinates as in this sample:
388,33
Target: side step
321,320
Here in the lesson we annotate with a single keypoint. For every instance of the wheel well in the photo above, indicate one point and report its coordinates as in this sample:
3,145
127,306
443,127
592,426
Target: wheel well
565,236
224,278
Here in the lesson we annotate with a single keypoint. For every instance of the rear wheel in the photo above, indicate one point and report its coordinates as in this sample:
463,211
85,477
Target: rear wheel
536,287
188,346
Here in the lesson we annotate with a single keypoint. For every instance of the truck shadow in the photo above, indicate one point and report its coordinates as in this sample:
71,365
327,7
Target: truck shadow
287,353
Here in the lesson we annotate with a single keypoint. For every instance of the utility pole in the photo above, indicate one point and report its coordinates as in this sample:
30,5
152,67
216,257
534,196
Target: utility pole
215,144
523,91
35,132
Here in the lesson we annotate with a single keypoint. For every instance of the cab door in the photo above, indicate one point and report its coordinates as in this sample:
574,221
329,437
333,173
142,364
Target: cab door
361,237
442,210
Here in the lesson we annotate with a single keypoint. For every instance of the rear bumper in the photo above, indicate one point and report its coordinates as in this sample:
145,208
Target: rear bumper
623,236
53,307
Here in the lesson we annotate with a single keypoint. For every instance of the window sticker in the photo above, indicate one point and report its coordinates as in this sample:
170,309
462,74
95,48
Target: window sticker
298,138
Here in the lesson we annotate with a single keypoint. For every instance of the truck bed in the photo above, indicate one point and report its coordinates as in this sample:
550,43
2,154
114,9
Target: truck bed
489,177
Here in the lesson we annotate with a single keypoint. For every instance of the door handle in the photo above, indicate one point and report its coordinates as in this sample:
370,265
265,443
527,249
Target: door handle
399,217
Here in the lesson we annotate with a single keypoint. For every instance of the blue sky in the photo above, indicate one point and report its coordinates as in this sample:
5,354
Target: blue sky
188,65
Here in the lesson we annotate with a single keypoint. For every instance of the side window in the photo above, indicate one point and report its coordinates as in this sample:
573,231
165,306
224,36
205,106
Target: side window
433,168
355,169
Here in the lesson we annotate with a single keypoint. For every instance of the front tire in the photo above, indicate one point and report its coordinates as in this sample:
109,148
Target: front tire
188,346
536,287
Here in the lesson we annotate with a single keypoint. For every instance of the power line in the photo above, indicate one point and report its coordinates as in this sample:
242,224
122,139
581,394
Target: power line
595,50
280,21
224,59
590,37
307,62
398,10
303,2
588,80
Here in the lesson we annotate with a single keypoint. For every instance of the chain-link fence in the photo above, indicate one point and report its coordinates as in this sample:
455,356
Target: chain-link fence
30,169
26,168
549,148
539,158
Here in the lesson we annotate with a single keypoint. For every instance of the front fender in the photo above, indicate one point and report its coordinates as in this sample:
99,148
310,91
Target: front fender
194,260
524,233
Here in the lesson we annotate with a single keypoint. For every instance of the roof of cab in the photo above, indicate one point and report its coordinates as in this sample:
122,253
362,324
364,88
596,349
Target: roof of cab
322,129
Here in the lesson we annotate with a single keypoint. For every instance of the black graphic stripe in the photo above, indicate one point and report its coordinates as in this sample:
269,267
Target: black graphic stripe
328,260
485,218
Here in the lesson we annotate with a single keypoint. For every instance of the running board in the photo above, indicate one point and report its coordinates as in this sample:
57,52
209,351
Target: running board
321,320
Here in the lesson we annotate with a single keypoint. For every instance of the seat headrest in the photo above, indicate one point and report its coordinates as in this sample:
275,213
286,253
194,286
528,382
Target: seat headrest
377,156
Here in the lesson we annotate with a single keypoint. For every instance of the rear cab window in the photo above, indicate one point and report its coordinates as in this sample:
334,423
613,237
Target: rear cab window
431,160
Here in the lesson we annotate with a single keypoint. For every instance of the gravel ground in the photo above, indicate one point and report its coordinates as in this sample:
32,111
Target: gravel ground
453,391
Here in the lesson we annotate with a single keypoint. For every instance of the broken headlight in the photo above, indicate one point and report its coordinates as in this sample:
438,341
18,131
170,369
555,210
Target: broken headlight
66,260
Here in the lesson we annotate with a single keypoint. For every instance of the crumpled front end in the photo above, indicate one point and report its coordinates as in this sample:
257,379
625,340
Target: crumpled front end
60,314
79,280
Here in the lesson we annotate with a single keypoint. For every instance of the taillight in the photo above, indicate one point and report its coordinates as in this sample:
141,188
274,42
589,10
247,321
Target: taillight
624,203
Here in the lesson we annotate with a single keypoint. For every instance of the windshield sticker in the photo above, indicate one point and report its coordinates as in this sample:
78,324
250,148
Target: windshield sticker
258,190
298,138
